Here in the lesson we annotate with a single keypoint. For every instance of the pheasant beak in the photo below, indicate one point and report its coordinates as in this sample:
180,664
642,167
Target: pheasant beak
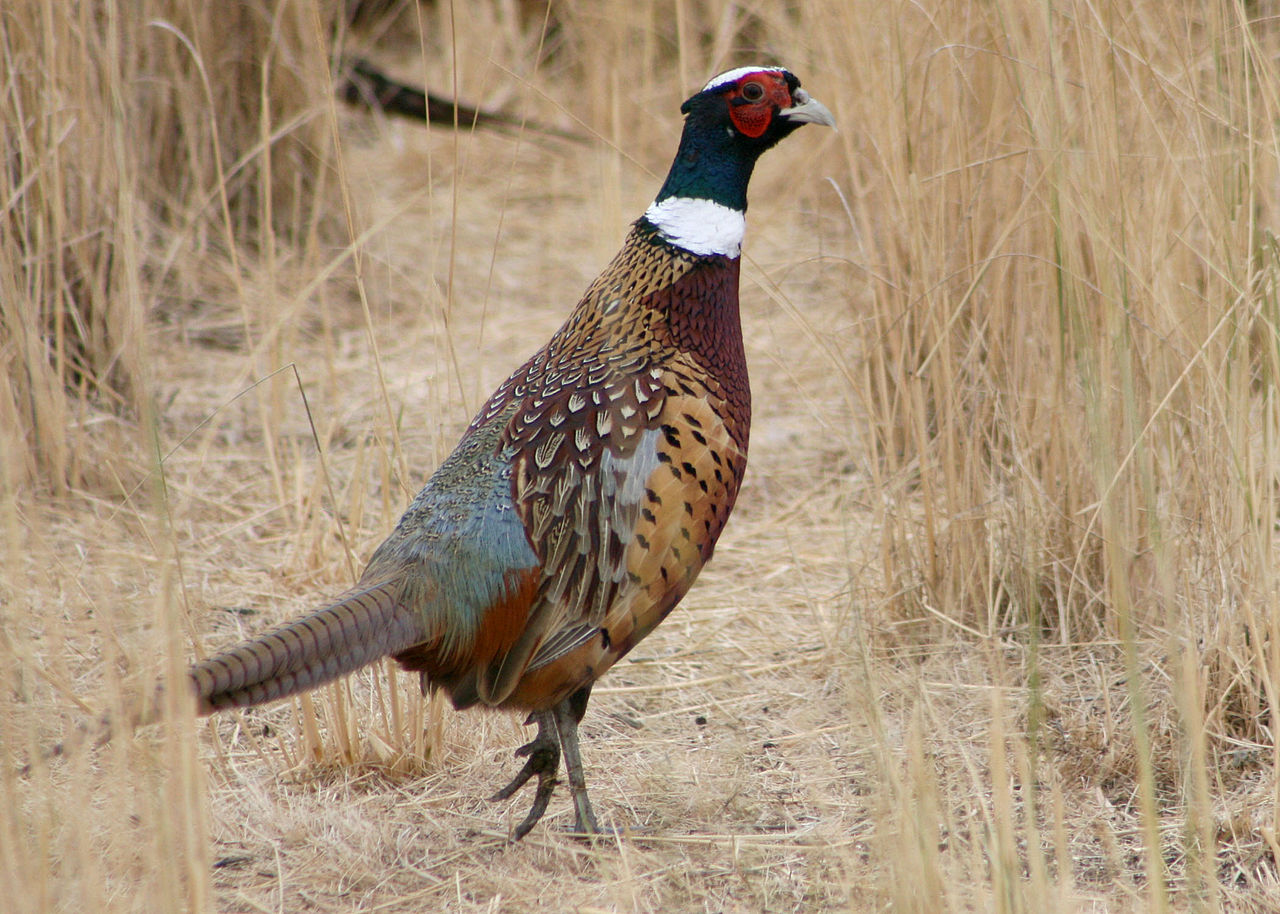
807,110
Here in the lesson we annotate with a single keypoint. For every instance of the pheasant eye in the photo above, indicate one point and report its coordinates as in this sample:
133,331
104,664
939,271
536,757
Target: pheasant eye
753,92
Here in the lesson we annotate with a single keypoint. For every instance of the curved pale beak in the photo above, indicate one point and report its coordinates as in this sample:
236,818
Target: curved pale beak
807,110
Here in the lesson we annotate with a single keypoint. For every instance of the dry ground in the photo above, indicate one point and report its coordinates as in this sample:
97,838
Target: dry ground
813,729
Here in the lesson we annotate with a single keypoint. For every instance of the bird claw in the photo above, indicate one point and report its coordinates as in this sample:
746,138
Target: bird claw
546,787
587,829
543,760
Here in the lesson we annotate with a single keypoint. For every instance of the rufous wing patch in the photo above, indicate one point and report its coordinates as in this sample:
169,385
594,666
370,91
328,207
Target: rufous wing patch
508,637
498,649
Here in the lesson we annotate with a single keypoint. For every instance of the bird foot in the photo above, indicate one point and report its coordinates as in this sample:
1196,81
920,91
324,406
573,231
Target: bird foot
543,760
557,732
591,832
585,825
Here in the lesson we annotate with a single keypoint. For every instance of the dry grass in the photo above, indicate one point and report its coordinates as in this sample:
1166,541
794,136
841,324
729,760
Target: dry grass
995,626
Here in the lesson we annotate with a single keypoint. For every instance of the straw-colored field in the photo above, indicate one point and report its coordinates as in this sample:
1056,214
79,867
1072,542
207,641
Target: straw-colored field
996,623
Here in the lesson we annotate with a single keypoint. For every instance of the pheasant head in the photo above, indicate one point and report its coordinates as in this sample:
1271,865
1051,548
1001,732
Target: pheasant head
739,114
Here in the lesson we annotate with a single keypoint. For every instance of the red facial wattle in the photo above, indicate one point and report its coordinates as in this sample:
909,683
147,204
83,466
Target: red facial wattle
755,99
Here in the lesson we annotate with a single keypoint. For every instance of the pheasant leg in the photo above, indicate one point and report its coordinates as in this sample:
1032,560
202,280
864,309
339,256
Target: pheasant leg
544,761
567,714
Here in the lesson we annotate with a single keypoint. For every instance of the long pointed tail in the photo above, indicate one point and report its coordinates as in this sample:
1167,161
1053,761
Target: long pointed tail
357,629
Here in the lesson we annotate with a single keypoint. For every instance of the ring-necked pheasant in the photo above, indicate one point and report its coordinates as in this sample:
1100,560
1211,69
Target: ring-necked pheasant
590,489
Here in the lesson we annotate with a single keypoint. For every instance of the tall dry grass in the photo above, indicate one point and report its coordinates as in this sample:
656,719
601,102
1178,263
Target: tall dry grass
1011,530
151,152
139,139
1065,270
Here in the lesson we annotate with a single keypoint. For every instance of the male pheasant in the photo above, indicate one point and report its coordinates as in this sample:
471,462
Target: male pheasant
590,489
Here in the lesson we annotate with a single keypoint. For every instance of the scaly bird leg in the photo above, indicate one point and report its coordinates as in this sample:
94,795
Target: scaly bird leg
566,715
544,761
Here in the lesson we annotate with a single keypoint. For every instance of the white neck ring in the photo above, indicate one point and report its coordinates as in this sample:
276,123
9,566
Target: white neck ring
701,227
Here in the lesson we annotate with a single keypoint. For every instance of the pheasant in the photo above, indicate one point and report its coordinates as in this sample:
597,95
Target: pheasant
588,492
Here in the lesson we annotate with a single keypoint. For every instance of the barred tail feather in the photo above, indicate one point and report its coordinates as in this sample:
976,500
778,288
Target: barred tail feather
355,630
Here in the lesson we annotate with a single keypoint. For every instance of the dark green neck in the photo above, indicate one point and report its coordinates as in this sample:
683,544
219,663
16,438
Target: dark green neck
711,164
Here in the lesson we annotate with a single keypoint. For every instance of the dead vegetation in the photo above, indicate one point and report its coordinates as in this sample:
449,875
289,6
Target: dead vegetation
995,626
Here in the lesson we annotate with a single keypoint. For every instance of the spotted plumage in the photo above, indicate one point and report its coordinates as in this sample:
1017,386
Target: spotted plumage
588,492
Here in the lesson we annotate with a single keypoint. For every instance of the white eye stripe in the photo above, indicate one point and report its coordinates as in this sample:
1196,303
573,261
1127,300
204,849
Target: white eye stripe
730,76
